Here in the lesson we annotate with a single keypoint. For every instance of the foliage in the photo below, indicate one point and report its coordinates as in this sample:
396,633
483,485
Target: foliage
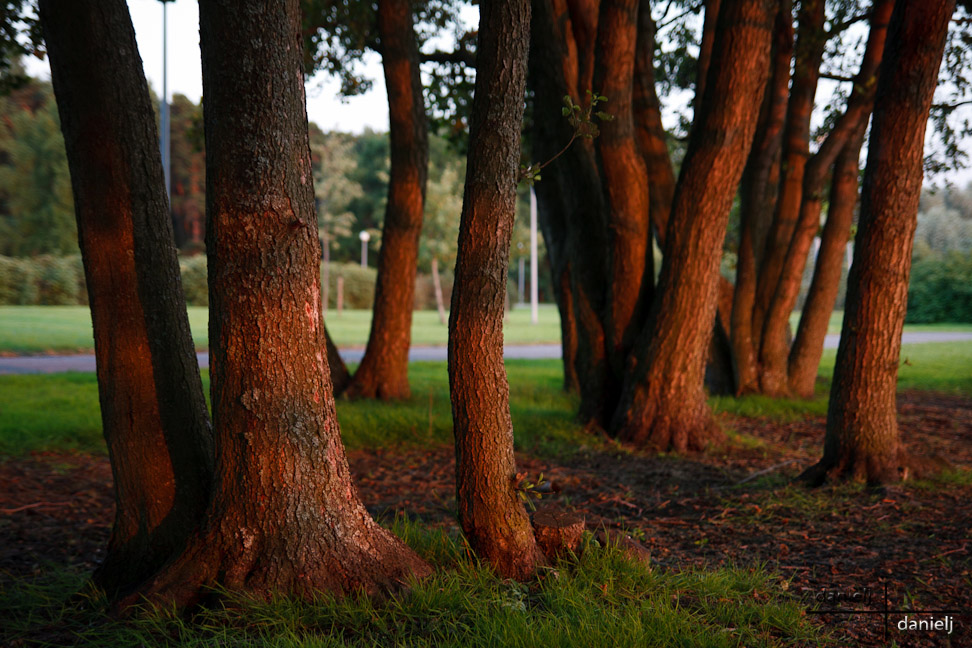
443,206
20,35
334,187
35,185
42,280
941,289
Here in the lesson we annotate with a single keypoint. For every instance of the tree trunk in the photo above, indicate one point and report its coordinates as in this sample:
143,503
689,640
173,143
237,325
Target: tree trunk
437,288
811,39
663,403
775,342
815,319
862,440
152,408
624,175
571,186
490,511
340,376
383,372
286,518
705,51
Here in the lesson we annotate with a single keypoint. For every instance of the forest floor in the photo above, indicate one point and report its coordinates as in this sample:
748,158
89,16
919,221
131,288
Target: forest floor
902,549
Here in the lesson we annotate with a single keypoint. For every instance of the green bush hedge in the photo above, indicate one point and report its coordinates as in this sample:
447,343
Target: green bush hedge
940,289
47,280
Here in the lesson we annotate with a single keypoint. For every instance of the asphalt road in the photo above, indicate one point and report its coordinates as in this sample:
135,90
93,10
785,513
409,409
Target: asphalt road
86,363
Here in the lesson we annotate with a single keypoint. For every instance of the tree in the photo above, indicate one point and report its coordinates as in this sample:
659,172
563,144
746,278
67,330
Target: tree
285,517
152,407
491,514
662,403
862,441
383,372
35,184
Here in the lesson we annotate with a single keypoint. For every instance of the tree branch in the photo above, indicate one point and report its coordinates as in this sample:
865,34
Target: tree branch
463,57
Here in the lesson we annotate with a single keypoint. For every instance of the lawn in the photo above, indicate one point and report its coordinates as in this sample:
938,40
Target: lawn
733,548
67,329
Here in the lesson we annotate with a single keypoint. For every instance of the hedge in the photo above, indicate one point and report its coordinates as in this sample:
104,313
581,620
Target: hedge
940,289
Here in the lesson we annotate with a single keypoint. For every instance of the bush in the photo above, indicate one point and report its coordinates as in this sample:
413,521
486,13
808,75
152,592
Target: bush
940,289
57,281
195,280
18,282
359,285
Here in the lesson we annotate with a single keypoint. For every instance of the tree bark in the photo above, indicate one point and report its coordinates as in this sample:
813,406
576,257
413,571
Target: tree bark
624,175
491,514
285,518
758,192
340,376
811,39
808,345
383,372
663,403
571,187
774,350
705,50
152,408
862,440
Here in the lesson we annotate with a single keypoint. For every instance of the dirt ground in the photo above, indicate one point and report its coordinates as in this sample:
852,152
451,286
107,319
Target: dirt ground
903,549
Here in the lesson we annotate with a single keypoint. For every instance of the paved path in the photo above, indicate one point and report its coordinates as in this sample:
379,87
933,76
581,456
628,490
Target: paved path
86,363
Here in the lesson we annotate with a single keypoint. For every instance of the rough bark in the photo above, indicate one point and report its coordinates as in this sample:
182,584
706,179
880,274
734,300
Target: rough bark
862,440
796,150
624,174
383,372
663,403
774,349
152,408
558,532
571,187
490,512
705,50
757,194
285,518
808,345
649,130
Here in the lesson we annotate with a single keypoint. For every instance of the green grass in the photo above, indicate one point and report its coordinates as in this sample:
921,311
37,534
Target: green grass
67,329
60,411
837,317
602,599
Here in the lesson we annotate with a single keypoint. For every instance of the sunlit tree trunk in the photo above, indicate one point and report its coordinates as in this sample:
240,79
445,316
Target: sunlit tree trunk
663,403
811,38
383,372
152,407
758,193
624,174
286,518
862,440
808,345
491,514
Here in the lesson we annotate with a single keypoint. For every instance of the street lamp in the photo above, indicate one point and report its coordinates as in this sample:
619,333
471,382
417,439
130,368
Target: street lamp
164,118
365,237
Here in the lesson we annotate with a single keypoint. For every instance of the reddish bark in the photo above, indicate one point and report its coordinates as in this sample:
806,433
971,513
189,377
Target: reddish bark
663,403
624,174
862,441
808,345
757,201
490,512
152,409
705,50
774,348
285,518
796,141
383,372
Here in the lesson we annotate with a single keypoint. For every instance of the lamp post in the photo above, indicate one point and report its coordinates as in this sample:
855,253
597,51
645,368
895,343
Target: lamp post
534,270
365,237
164,145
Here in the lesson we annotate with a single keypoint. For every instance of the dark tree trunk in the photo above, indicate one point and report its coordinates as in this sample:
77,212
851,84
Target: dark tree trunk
862,441
775,342
705,50
286,518
663,403
383,372
490,511
152,406
624,175
815,319
571,185
340,376
758,192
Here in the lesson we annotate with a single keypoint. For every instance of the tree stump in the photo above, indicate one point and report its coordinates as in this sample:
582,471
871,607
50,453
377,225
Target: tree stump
557,532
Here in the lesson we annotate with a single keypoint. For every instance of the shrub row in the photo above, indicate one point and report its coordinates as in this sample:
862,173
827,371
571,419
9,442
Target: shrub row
940,289
49,280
